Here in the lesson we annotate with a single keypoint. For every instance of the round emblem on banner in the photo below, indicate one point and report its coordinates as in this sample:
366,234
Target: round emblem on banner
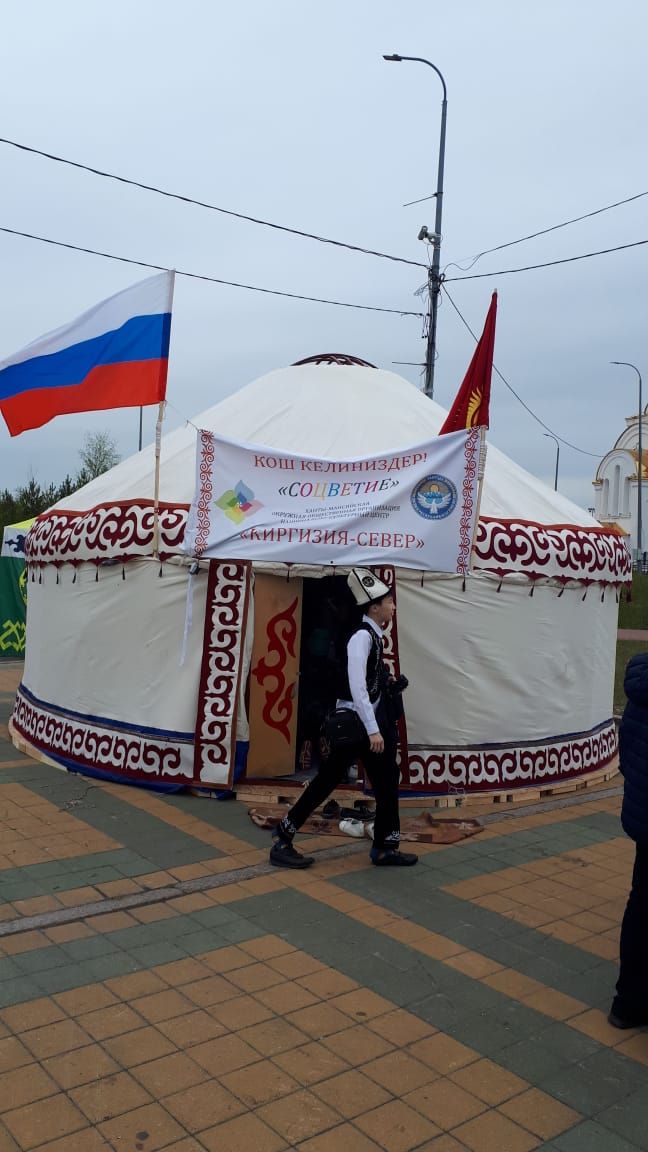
434,498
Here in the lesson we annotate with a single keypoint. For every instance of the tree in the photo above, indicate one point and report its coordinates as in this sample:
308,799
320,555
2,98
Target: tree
98,454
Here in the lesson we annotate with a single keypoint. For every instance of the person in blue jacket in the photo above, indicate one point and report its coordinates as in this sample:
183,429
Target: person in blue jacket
630,1005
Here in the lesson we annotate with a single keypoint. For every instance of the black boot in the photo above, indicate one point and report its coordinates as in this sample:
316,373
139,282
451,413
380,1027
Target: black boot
392,858
283,854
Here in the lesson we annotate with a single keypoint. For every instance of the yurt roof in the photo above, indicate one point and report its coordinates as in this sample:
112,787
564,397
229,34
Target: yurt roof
329,410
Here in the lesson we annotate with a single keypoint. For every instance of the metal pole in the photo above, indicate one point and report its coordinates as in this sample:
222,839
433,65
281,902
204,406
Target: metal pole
557,443
140,428
627,364
434,275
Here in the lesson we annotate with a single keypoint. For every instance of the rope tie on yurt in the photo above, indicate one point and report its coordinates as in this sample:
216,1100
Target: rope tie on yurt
194,568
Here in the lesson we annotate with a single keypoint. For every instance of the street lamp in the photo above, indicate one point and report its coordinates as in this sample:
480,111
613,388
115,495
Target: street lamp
434,279
627,364
556,441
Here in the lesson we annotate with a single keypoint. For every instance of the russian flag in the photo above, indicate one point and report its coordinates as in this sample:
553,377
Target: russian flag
114,356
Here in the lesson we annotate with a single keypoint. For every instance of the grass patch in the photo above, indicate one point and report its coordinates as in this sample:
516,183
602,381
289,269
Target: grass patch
634,613
626,649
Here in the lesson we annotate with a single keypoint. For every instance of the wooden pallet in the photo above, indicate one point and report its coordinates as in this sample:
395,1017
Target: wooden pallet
279,792
31,750
285,792
532,795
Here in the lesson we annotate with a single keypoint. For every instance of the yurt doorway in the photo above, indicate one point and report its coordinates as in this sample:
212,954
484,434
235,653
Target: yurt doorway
299,626
327,616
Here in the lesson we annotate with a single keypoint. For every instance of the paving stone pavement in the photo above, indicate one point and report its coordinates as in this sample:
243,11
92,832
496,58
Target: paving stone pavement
209,1002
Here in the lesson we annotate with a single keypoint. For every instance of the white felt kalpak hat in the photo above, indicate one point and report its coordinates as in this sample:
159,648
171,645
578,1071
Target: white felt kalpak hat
365,586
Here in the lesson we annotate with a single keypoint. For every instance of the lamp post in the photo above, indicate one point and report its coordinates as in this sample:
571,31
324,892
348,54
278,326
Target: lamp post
434,278
557,443
627,364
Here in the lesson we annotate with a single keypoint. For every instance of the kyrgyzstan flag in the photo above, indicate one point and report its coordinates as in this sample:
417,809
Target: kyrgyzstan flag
470,409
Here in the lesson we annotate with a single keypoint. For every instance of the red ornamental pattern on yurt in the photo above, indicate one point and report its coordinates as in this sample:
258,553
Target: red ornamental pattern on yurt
472,454
392,660
560,552
115,531
203,521
278,705
498,767
81,743
109,531
228,588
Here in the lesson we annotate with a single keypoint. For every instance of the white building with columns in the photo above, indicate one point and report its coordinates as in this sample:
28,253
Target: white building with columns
616,483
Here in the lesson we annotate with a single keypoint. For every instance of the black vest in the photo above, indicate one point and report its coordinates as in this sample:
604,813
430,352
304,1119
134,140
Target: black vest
377,671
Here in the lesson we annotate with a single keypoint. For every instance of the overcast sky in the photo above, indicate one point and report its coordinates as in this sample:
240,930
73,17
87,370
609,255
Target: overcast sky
287,111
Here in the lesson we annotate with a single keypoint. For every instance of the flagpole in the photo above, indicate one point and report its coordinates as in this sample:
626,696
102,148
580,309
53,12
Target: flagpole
158,450
156,491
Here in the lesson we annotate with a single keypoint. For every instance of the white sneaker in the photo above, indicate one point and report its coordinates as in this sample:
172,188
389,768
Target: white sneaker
352,828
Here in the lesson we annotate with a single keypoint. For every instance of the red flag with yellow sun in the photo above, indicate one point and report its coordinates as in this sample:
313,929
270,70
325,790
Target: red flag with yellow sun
470,409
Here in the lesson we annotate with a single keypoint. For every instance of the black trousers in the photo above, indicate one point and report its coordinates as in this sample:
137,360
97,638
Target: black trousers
382,770
632,988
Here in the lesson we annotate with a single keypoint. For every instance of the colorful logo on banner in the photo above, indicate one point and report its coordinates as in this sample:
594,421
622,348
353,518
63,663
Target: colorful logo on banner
434,498
238,502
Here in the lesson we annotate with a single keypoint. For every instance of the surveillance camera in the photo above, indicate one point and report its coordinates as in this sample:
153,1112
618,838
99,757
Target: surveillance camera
430,237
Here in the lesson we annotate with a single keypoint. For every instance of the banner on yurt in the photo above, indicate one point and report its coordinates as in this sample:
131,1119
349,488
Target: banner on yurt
13,539
13,602
415,508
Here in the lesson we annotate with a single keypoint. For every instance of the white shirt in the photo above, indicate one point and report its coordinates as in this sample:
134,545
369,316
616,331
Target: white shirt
358,650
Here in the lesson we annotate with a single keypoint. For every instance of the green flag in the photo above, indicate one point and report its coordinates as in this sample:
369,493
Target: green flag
13,604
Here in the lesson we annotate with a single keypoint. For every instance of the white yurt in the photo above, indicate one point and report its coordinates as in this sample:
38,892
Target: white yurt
129,678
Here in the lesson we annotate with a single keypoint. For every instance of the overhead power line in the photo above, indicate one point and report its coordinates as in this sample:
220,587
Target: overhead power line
547,263
544,231
567,443
203,204
210,279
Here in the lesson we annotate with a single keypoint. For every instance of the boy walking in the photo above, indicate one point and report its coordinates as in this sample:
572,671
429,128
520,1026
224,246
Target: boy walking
365,690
